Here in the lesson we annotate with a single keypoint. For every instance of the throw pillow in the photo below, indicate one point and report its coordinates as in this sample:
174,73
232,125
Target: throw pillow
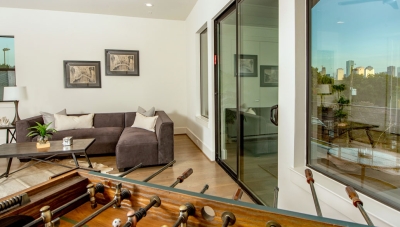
144,122
73,122
48,117
149,113
251,111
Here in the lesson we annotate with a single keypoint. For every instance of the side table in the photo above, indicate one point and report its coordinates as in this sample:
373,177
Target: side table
10,133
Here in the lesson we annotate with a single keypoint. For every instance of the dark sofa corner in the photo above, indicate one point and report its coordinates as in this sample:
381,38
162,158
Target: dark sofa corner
114,135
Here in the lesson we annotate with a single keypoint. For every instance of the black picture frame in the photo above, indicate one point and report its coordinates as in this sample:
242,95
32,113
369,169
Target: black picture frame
122,62
82,74
269,75
248,65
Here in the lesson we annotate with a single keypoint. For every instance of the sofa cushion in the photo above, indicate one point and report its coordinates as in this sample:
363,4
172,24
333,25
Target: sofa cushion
149,113
106,138
109,120
49,117
73,122
136,146
129,118
144,122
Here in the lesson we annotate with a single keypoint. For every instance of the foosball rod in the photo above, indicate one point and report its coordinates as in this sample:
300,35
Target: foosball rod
159,171
276,191
135,217
184,212
120,194
130,170
358,203
228,219
181,178
310,180
91,191
205,188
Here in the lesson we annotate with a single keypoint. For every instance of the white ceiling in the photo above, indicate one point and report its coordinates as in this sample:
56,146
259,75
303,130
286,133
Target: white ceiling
161,9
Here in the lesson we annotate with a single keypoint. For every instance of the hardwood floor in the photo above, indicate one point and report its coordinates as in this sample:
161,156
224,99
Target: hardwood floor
187,155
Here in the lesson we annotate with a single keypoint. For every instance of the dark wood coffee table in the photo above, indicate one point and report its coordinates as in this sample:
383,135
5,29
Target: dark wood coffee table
29,150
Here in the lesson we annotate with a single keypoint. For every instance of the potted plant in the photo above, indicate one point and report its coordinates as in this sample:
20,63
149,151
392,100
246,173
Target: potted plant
43,133
342,101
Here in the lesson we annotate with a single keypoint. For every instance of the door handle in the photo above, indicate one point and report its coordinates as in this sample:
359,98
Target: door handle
274,115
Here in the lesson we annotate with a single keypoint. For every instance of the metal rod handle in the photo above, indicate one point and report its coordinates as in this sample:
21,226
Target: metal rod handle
93,215
181,178
310,180
276,191
204,189
316,203
159,171
130,170
358,203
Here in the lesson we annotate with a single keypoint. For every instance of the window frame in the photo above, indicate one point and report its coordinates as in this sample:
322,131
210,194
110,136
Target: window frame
335,177
10,69
205,30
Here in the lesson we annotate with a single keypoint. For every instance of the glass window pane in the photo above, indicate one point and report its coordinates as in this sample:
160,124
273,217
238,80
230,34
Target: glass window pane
204,73
354,96
7,64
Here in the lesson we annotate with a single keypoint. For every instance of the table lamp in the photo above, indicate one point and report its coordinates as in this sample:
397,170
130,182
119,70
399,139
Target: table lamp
14,94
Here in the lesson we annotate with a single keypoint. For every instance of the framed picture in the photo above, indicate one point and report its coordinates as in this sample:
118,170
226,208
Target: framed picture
247,65
82,74
122,62
269,76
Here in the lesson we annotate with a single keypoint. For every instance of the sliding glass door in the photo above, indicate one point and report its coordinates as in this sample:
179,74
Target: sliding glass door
247,94
226,49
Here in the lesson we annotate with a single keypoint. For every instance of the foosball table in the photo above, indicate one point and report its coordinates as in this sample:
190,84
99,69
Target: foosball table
80,198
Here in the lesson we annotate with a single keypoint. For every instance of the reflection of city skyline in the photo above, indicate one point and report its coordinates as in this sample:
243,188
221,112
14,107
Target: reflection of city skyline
341,72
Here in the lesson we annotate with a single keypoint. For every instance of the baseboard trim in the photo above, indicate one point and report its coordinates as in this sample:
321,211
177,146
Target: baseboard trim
196,140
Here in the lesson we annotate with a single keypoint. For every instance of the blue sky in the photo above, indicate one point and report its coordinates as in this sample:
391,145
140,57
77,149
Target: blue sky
367,33
10,57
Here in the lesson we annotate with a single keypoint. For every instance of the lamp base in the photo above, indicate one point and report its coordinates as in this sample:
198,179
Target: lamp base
16,117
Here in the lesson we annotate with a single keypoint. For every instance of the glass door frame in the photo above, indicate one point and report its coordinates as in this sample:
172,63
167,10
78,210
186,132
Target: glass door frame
239,147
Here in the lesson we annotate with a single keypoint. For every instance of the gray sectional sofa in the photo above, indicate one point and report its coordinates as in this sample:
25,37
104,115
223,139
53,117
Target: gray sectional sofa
114,135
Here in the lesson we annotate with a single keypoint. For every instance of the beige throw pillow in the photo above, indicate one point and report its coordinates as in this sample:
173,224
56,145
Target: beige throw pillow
63,122
49,117
144,122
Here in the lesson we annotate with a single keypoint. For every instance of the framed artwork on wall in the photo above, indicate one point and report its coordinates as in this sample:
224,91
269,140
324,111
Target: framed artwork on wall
122,62
247,65
269,76
82,74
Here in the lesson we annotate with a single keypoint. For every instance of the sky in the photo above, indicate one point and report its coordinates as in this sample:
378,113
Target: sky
367,33
10,56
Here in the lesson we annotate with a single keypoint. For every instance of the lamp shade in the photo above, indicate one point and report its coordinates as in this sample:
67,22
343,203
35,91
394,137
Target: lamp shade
14,93
324,89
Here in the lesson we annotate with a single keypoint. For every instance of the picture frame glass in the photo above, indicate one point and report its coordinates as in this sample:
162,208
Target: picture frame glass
82,74
269,76
122,62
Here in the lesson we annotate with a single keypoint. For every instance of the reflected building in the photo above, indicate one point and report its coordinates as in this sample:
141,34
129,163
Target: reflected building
369,71
339,74
349,65
391,71
323,70
359,71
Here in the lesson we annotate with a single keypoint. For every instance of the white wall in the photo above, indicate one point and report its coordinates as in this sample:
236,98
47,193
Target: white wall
294,192
201,131
43,39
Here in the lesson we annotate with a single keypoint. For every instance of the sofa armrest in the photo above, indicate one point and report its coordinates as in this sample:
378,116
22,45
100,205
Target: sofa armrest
165,136
23,125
